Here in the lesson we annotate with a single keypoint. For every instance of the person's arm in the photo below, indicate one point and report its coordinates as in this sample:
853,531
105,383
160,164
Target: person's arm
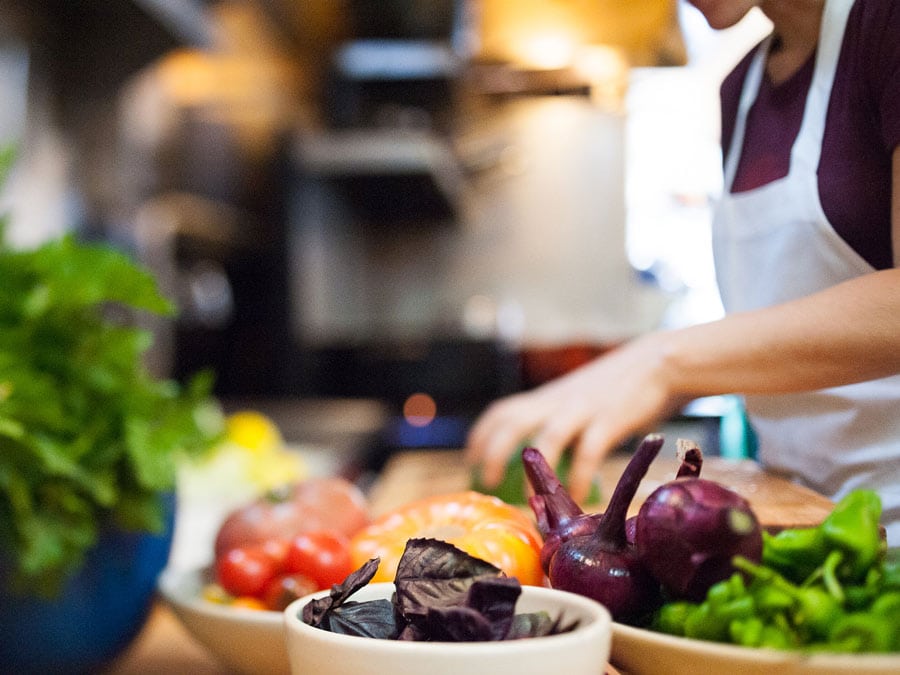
845,334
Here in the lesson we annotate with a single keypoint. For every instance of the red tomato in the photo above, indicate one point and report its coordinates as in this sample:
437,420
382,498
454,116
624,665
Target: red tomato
285,588
323,556
245,571
331,503
276,550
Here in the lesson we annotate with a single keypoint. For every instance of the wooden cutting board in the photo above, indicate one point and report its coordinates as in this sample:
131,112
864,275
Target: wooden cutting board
777,502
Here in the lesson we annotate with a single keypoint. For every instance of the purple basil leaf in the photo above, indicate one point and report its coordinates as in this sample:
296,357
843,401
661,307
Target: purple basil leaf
372,618
442,594
437,559
413,633
315,612
538,624
458,624
433,574
495,599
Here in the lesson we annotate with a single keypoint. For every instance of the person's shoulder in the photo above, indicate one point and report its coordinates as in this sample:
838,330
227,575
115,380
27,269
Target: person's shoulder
871,40
873,61
879,7
875,17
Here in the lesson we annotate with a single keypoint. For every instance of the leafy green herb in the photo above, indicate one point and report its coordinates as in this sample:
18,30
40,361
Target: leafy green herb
512,487
88,437
442,595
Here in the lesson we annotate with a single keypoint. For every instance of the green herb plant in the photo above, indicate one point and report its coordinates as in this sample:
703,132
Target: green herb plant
88,437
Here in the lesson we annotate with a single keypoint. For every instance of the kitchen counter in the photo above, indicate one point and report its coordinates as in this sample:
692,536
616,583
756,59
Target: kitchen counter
777,502
164,646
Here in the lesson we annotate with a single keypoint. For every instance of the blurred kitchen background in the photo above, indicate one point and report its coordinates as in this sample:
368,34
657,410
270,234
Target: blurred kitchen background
377,216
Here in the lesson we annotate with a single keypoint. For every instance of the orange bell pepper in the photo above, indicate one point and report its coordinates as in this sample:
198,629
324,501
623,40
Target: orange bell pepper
481,525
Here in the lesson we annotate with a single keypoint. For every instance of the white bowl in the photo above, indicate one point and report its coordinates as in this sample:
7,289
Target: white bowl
248,641
583,651
644,652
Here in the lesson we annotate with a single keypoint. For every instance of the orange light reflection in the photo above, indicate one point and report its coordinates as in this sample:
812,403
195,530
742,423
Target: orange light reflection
419,410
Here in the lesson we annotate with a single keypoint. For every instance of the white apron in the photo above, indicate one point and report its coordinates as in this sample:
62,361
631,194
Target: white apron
774,244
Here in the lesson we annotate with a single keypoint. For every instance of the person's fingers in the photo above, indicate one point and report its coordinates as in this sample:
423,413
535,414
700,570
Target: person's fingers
558,432
499,449
497,436
581,474
595,443
496,416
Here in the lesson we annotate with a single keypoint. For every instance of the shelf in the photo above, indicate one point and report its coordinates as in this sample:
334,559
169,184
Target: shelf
375,151
185,20
371,163
396,60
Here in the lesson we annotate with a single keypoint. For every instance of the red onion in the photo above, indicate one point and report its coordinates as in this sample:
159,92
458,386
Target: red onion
691,461
687,532
557,515
602,564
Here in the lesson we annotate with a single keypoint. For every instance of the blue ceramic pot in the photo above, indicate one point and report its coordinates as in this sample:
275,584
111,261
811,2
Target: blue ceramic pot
99,613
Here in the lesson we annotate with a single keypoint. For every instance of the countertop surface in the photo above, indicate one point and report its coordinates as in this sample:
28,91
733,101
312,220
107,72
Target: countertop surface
164,646
776,501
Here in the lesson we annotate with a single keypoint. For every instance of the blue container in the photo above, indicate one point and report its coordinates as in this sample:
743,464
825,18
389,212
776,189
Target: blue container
99,613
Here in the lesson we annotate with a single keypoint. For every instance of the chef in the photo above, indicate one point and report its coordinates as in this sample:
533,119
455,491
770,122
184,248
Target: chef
806,238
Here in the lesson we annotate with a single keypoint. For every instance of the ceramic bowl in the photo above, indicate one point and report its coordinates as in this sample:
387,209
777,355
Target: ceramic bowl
247,641
643,652
583,651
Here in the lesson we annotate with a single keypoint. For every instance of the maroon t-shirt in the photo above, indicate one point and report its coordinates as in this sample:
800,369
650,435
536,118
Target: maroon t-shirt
861,131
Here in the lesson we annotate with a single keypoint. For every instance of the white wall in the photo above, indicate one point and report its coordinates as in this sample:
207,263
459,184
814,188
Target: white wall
538,247
675,164
36,196
543,236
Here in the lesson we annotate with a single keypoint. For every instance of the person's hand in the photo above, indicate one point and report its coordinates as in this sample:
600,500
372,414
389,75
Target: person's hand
593,409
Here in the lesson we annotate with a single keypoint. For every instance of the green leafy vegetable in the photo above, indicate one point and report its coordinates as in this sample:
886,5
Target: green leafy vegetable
88,437
442,595
512,487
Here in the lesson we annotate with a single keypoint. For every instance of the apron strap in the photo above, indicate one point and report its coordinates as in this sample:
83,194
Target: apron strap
749,92
808,147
